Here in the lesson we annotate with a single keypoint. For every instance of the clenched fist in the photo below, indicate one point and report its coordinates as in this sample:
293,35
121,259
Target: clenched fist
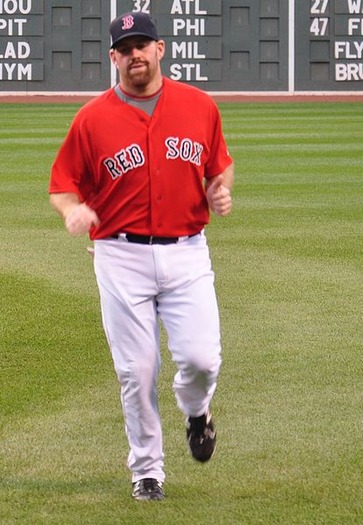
219,197
80,219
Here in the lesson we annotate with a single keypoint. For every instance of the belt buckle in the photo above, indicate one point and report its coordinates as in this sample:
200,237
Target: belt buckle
151,239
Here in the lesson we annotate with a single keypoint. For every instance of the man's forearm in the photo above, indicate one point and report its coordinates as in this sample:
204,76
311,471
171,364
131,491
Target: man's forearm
228,176
63,203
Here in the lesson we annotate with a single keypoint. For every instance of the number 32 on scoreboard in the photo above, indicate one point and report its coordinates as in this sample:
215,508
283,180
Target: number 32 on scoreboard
142,5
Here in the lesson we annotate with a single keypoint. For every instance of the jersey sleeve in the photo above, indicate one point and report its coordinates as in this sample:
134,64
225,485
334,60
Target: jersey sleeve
70,173
219,158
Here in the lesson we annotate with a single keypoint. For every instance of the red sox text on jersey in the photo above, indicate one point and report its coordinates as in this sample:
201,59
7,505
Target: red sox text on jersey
133,157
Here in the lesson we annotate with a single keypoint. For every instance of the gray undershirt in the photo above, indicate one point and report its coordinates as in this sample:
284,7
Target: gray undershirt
147,105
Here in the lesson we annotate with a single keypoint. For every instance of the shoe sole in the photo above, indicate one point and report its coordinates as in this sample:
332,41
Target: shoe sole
147,498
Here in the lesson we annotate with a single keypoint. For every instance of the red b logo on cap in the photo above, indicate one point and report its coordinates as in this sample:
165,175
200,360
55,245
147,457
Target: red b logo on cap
128,22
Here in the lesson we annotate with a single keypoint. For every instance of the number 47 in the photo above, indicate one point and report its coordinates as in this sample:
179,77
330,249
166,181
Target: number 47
319,26
142,5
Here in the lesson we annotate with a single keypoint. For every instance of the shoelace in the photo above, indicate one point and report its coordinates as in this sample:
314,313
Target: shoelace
149,484
199,428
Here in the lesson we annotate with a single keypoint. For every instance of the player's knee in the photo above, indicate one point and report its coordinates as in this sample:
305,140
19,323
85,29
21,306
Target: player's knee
203,362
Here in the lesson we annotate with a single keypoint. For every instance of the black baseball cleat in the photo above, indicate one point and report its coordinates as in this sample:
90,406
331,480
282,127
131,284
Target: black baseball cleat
148,489
201,436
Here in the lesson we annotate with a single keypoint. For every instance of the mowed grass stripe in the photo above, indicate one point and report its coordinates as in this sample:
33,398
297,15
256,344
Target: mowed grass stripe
288,267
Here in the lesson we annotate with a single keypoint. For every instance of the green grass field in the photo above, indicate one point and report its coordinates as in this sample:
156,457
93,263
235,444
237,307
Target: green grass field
289,406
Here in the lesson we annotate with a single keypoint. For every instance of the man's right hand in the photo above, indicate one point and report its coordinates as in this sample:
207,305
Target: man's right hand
80,218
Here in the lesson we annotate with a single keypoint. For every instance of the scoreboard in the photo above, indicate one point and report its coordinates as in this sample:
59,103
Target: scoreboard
224,45
329,46
280,46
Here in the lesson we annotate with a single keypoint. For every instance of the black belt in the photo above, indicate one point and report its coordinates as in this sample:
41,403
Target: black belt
151,239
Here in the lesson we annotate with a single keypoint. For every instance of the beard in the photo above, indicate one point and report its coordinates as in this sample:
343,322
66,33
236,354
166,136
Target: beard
141,76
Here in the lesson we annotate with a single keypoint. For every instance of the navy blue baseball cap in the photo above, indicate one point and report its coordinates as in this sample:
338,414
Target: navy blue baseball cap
132,24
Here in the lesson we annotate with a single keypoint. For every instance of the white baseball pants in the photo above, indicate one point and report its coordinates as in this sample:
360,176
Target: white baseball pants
139,284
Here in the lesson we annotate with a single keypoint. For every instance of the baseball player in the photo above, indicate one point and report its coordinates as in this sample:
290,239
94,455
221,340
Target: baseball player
139,170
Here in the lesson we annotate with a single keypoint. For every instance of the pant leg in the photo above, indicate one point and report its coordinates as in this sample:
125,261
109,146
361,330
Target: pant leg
127,294
189,311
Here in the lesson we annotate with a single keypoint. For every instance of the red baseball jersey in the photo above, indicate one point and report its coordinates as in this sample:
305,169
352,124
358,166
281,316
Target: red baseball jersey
142,174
